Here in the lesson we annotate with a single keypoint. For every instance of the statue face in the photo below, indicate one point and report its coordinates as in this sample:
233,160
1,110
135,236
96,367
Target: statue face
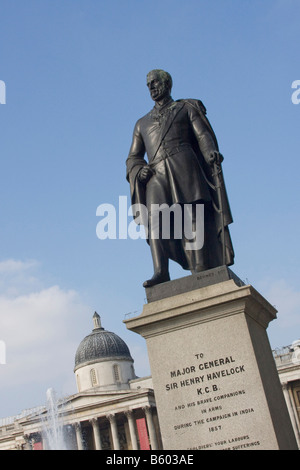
157,86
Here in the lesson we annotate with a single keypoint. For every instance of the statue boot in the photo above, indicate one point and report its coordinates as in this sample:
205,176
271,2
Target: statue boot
160,264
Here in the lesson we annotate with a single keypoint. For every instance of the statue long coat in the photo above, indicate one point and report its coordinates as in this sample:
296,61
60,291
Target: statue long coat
178,140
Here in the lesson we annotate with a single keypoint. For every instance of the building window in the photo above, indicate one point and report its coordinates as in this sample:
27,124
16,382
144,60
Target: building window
93,378
116,370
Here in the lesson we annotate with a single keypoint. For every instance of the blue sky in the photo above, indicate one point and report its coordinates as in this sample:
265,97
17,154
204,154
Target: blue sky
75,75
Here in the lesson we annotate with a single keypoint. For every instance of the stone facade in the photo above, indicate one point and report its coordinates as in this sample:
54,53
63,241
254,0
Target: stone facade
287,360
92,420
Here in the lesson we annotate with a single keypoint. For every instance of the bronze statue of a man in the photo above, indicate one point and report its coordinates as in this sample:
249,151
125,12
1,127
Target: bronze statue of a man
184,168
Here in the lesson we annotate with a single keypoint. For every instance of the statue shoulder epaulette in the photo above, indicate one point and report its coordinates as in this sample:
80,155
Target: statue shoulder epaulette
197,104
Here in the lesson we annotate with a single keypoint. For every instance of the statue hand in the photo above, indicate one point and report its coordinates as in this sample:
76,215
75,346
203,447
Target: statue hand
145,174
215,157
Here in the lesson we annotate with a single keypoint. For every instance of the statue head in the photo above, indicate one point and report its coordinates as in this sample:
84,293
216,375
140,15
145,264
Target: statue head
159,83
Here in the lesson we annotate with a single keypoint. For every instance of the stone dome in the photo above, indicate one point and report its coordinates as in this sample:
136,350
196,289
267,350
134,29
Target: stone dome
100,345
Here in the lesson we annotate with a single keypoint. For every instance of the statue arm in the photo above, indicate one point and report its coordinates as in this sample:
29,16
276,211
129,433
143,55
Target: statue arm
135,160
203,132
204,138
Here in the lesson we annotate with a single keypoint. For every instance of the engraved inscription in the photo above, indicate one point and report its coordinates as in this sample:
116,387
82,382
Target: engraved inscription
204,385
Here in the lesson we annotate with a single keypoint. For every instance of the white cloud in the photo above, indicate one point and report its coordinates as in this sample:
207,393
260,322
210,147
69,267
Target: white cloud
18,277
37,318
286,299
38,326
16,266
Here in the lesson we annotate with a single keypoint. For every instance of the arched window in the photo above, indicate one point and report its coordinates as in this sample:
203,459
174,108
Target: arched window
93,377
116,370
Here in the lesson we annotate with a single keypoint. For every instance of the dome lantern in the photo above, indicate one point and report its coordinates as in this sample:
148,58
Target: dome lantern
97,321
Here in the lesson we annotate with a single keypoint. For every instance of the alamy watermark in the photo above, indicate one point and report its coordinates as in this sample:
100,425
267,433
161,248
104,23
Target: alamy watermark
2,352
2,92
160,221
296,94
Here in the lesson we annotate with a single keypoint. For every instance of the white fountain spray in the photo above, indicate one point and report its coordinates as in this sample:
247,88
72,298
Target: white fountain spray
54,423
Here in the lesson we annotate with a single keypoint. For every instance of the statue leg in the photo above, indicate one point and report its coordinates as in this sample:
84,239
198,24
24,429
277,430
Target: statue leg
160,264
158,252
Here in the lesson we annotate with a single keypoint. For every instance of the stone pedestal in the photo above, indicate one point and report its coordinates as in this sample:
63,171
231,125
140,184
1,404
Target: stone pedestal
215,380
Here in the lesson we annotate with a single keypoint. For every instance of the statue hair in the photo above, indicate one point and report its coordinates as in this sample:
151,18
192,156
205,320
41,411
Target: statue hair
165,76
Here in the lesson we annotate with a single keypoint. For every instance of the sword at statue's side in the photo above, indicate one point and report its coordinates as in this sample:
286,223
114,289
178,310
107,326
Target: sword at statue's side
218,179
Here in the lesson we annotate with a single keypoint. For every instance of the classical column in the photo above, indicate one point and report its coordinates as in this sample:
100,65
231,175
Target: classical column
132,429
114,431
286,386
96,430
79,436
151,428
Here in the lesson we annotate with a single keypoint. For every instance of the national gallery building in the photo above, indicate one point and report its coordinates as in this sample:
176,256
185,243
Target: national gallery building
113,409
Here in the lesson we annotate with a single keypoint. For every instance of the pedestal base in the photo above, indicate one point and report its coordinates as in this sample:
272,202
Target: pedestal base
215,380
